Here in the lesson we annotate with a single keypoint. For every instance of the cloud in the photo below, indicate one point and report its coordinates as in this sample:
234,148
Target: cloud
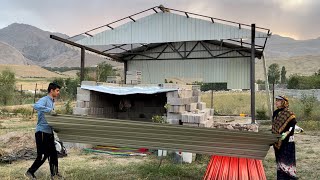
292,17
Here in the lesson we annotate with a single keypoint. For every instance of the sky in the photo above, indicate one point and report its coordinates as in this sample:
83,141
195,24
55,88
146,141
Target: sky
298,19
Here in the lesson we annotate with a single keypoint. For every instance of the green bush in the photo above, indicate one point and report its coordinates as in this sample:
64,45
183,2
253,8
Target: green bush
261,114
304,82
22,111
158,119
68,107
308,104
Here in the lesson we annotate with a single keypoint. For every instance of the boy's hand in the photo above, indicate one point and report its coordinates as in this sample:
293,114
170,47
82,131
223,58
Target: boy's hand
53,113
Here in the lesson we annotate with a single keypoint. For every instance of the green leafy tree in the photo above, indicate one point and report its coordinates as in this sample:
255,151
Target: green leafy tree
7,86
68,89
87,74
293,82
273,73
283,75
103,71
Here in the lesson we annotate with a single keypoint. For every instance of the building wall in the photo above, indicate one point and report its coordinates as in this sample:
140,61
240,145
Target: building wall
233,71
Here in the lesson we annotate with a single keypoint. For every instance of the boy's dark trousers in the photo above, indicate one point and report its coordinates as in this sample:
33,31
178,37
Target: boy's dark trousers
45,149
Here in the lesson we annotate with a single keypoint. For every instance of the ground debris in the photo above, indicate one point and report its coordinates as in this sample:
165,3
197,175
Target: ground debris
22,154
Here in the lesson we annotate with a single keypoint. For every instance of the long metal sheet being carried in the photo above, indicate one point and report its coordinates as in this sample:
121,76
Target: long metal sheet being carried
102,131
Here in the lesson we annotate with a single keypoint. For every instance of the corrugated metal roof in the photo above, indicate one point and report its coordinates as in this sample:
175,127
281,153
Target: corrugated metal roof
102,131
233,168
168,27
117,90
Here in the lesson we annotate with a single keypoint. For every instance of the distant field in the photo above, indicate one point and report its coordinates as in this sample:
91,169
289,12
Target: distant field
305,65
30,83
27,71
30,75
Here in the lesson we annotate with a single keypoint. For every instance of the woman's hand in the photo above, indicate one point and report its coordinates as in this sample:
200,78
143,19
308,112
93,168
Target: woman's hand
283,136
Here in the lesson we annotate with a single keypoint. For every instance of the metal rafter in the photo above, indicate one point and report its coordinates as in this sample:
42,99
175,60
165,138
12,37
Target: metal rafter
207,48
85,47
175,50
192,49
162,51
115,47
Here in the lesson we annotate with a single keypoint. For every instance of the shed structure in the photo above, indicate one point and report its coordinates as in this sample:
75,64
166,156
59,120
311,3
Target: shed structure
164,43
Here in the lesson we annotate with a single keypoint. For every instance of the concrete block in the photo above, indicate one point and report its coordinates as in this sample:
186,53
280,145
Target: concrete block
190,118
195,99
191,107
179,109
173,116
162,152
184,117
196,92
191,124
81,111
198,118
210,118
83,97
173,121
201,105
87,104
176,86
179,101
89,83
185,93
207,123
172,94
80,104
170,108
211,112
83,91
206,112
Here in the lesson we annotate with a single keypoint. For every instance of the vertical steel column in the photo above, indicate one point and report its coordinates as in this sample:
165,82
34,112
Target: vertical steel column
82,64
252,74
125,71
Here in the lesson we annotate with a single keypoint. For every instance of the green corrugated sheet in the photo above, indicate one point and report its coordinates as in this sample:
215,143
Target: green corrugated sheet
102,131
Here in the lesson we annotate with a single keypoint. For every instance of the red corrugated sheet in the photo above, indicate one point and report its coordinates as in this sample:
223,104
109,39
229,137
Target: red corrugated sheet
234,168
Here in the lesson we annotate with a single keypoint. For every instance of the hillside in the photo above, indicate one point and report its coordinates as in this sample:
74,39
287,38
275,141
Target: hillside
278,46
10,55
36,45
26,71
303,65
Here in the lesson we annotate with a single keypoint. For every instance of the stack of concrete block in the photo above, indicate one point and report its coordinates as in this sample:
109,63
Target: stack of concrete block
185,107
133,77
198,118
177,102
83,101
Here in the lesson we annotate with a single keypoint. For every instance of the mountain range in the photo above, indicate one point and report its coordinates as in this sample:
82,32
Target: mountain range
26,44
37,48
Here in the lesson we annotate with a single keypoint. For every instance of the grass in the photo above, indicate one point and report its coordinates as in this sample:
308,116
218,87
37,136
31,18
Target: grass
80,165
235,103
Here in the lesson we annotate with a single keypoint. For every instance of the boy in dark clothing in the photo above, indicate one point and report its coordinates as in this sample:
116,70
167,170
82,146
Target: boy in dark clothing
44,134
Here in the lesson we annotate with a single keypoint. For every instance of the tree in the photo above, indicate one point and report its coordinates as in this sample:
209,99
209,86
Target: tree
7,86
87,76
293,82
68,87
283,75
273,73
103,71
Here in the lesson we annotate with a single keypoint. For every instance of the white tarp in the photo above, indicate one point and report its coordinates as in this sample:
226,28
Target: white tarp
127,90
